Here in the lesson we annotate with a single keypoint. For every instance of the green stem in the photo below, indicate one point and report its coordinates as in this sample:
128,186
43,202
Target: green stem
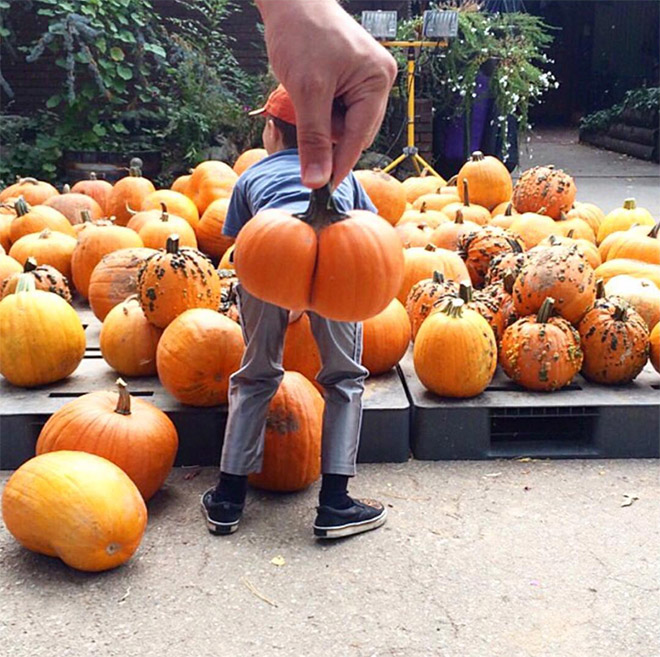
30,265
172,244
26,283
546,310
465,292
438,277
629,204
21,207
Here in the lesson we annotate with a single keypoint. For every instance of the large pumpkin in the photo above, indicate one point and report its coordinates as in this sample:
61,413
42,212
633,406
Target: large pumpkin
624,218
544,190
37,218
247,158
115,279
209,230
132,433
455,353
46,278
128,341
99,190
34,191
49,247
175,203
489,180
209,181
76,506
385,338
176,280
129,193
41,337
196,354
72,204
385,192
292,448
343,267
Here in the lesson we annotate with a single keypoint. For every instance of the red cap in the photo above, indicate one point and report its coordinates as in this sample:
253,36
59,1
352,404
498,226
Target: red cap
279,105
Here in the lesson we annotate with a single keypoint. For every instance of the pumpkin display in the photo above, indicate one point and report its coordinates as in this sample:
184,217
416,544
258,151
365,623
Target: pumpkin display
95,188
640,293
541,352
558,272
489,180
209,181
130,432
634,268
432,218
654,342
385,192
624,218
448,234
76,506
95,242
343,267
544,190
478,214
292,444
416,186
301,353
533,228
462,341
420,263
209,230
34,219
180,184
637,246
47,248
436,202
114,279
46,278
41,337
176,203
72,204
423,297
9,266
247,158
175,280
35,192
128,341
196,354
588,249
480,247
414,234
154,234
385,338
128,193
615,342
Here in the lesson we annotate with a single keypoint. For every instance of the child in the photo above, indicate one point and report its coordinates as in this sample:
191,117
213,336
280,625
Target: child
275,182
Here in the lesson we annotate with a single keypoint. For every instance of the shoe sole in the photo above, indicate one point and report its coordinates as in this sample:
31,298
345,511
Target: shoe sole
218,528
352,528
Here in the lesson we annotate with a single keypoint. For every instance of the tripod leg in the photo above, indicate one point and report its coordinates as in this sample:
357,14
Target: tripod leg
419,159
395,163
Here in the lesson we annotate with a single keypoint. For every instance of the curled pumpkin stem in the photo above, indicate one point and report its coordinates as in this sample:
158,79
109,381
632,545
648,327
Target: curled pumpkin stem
322,209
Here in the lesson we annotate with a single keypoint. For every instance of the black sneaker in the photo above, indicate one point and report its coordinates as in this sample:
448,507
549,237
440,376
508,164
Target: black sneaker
361,516
221,517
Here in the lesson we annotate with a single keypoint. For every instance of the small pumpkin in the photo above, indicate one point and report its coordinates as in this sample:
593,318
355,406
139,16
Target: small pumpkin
196,355
588,212
385,192
448,234
478,214
505,209
385,338
613,239
462,341
209,181
34,219
634,268
247,158
624,218
129,193
423,297
545,189
209,230
180,184
48,248
432,218
76,506
71,205
637,246
503,217
416,186
512,262
154,234
436,202
576,228
301,353
9,266
46,278
95,188
489,180
35,192
414,234
176,203
534,228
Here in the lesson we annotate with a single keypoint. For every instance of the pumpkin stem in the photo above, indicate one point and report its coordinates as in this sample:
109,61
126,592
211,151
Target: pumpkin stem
322,209
570,233
546,310
654,231
477,156
600,289
30,265
32,181
629,204
515,245
466,193
459,217
422,207
164,215
452,181
25,283
129,209
124,401
430,247
620,312
44,234
135,167
66,189
465,292
86,216
21,207
454,307
438,277
172,244
92,175
508,280
554,240
509,210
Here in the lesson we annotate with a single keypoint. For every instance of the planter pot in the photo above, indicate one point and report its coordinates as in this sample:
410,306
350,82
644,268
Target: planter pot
108,165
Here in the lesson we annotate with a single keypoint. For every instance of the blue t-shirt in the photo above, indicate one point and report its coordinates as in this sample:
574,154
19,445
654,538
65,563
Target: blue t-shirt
274,182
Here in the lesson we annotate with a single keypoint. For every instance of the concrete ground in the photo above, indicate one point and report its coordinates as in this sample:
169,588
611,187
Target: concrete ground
478,559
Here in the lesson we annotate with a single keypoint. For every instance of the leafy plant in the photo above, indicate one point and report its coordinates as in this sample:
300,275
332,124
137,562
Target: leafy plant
643,99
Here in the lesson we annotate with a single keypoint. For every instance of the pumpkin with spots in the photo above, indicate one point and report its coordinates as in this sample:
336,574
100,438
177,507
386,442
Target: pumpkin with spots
544,189
46,278
424,295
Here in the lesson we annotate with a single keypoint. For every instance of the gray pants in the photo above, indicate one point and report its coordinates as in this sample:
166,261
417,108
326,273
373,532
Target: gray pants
253,386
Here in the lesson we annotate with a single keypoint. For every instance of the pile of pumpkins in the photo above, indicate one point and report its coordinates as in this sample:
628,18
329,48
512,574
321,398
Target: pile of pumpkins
475,273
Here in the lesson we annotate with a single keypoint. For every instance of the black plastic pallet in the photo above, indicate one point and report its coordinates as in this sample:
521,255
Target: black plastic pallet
23,412
584,420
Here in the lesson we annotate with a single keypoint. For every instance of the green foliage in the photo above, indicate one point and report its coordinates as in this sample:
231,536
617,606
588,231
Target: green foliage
643,99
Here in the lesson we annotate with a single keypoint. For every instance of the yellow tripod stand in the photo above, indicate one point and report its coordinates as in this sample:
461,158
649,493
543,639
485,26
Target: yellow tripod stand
410,150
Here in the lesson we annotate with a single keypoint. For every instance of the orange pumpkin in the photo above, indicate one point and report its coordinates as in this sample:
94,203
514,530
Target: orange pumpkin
99,190
9,266
209,230
227,260
128,340
471,211
414,234
180,184
544,190
533,228
588,212
489,180
385,192
71,204
154,234
47,248
448,235
432,218
76,506
576,228
505,208
176,203
637,246
654,342
635,268
503,217
624,218
639,293
209,181
436,202
385,338
247,158
416,186
35,219
196,354
292,447
462,341
618,236
35,192
130,432
46,278
5,230
423,297
346,270
129,193
586,248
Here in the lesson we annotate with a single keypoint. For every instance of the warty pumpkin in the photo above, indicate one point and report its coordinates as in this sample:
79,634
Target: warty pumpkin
586,248
424,296
385,192
76,506
544,190
46,278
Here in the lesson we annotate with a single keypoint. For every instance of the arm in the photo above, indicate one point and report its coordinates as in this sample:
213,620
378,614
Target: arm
238,212
318,52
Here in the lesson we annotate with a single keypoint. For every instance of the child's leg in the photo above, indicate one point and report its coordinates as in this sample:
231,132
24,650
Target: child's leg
253,386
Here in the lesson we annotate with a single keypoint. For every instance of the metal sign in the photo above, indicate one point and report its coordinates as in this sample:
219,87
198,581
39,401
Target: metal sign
380,24
438,24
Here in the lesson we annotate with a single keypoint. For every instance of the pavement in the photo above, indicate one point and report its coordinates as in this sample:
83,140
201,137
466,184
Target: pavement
521,558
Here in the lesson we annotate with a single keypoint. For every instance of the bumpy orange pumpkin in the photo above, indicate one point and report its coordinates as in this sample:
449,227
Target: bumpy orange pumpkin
586,248
654,342
72,204
46,278
544,190
624,218
209,230
385,338
99,190
196,354
247,158
209,181
424,296
34,191
541,352
41,337
292,448
76,506
506,262
462,341
489,180
49,247
128,193
132,433
385,192
128,340
343,267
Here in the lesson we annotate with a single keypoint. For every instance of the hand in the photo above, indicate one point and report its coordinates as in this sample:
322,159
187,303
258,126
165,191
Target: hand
319,53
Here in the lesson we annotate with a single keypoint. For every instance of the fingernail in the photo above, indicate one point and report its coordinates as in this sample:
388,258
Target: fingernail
313,175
